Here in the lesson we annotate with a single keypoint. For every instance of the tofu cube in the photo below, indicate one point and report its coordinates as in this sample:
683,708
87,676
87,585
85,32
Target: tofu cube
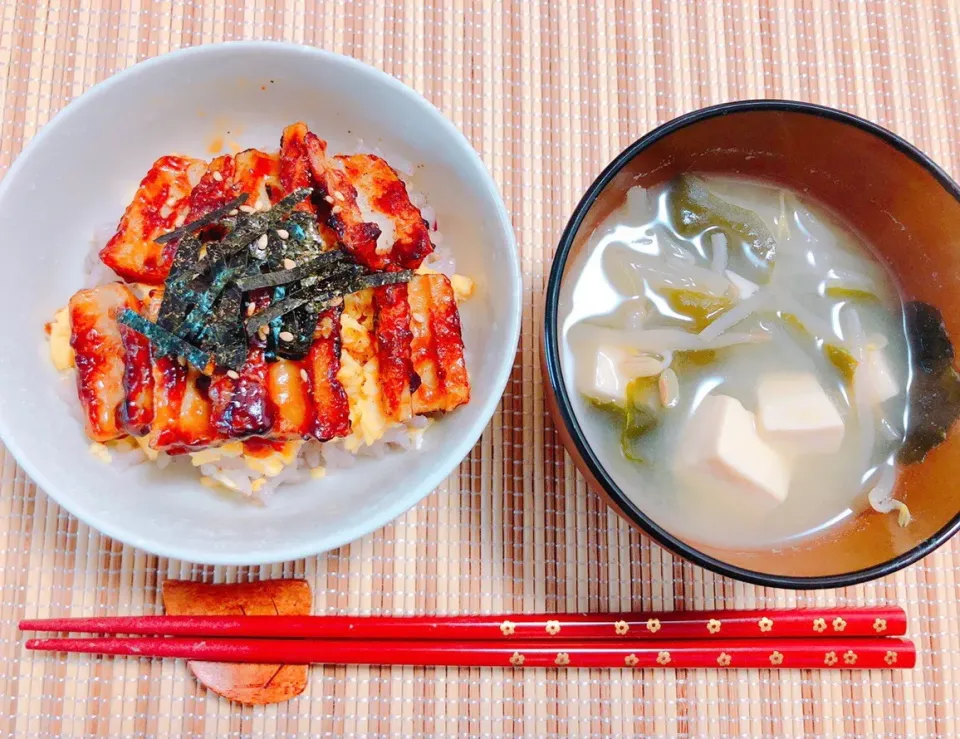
795,414
601,376
879,375
721,453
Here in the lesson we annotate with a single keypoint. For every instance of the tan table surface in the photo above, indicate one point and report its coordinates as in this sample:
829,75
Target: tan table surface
548,92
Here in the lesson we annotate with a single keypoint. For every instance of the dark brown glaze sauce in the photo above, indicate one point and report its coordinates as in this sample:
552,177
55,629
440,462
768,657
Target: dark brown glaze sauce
357,236
137,408
331,407
393,335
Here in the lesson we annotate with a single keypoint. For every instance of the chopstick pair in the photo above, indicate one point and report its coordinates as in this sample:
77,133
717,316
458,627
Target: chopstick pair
839,638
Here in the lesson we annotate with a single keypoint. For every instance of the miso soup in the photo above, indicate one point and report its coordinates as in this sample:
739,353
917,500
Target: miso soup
738,361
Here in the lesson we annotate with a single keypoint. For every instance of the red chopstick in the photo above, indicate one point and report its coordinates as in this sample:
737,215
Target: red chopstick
765,624
822,653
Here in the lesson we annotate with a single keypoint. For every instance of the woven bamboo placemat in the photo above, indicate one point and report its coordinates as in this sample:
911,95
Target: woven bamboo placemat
547,92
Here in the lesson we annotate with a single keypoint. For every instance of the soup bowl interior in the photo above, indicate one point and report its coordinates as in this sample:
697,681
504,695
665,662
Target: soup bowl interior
887,192
81,171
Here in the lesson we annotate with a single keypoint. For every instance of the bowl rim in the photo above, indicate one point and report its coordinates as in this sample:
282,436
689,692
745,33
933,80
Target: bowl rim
554,373
444,465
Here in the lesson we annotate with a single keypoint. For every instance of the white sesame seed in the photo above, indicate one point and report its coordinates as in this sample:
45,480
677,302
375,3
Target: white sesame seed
233,212
262,242
336,209
283,233
329,199
218,177
262,332
263,206
338,195
285,336
251,308
233,375
248,209
304,375
171,201
289,264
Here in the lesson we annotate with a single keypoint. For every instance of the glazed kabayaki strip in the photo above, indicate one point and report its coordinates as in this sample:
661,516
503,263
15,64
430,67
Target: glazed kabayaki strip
99,352
162,203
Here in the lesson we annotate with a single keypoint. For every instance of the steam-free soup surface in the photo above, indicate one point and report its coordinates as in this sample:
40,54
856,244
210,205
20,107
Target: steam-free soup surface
737,360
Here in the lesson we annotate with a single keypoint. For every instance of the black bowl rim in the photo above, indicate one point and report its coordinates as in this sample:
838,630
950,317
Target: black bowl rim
552,351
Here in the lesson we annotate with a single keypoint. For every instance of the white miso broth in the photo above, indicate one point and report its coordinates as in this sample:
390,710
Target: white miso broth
736,358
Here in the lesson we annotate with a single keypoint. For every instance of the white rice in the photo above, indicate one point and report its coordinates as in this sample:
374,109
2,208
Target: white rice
314,459
235,474
96,272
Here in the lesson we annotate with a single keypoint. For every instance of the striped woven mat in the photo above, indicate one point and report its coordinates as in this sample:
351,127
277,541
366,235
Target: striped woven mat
548,92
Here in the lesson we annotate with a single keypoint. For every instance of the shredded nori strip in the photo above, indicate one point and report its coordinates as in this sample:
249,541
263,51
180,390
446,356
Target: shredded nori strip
273,338
323,292
317,266
270,314
252,226
175,305
191,325
164,342
201,317
223,334
302,323
212,217
186,255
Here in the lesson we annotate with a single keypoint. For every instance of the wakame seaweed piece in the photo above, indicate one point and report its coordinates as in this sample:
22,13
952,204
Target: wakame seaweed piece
166,343
639,418
934,395
635,418
701,308
696,209
930,345
317,266
842,360
640,421
223,334
212,217
850,293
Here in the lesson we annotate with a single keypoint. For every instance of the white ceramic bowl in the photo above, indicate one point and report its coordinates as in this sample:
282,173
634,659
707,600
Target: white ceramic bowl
80,172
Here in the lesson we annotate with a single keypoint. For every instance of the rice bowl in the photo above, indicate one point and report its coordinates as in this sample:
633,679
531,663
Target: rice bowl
162,510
